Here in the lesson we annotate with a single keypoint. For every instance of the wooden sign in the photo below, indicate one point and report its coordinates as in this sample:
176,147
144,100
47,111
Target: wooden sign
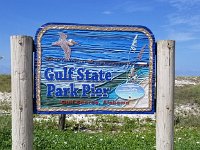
104,69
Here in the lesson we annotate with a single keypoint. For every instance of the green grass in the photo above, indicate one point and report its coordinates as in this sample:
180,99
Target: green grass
5,106
130,134
187,94
5,132
5,83
188,121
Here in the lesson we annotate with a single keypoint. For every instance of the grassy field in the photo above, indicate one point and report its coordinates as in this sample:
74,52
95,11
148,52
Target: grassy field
108,132
187,94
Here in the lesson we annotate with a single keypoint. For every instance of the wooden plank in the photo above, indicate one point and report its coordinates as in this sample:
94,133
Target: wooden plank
21,74
165,94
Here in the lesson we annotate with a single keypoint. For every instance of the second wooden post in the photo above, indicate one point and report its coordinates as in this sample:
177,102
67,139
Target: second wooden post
165,95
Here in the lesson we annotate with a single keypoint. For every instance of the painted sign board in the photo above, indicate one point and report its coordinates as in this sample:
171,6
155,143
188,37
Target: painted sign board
91,69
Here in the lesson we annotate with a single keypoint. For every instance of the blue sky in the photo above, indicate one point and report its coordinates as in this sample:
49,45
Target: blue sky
168,19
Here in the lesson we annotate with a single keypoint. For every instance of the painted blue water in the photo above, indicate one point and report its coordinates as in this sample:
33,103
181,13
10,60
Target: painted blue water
96,45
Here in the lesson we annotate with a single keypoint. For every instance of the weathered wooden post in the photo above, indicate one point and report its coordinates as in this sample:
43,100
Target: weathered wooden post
165,95
62,118
22,111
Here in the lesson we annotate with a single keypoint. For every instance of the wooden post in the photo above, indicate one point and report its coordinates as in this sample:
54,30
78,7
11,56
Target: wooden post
22,88
165,95
62,118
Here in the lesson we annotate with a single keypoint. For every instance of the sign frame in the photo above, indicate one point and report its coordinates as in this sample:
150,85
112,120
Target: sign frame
93,27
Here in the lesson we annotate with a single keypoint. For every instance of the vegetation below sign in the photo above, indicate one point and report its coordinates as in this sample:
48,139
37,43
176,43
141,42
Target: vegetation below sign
108,132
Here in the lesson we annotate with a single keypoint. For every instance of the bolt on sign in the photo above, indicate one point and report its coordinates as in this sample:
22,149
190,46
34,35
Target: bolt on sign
94,69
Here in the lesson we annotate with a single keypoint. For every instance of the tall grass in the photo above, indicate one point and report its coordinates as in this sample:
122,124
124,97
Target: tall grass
187,94
5,83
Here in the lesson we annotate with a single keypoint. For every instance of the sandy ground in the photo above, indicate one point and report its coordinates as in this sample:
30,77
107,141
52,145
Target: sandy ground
5,97
184,82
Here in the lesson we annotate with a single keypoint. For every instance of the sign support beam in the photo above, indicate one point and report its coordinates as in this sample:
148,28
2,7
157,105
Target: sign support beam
165,95
22,92
62,118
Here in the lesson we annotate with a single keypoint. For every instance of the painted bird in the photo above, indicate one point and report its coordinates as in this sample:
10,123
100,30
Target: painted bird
65,44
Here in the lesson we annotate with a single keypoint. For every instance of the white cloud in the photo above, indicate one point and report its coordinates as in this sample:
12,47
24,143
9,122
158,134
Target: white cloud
184,20
184,4
183,23
186,12
106,12
181,36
